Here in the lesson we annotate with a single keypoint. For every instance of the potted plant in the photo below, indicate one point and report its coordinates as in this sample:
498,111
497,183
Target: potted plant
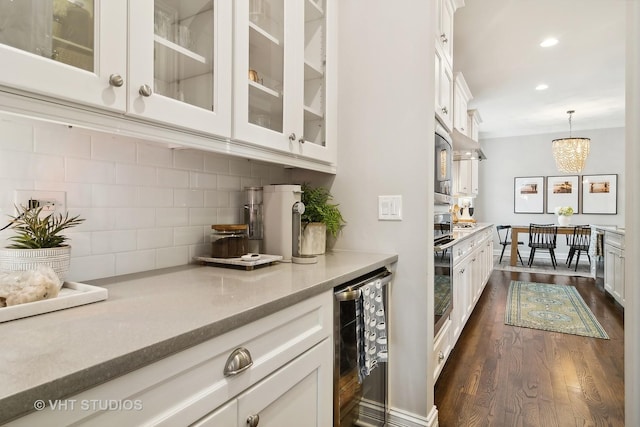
38,240
319,218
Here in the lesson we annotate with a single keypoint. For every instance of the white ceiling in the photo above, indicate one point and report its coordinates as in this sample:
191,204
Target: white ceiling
496,47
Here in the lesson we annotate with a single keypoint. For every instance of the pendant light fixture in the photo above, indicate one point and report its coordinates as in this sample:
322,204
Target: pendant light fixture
571,153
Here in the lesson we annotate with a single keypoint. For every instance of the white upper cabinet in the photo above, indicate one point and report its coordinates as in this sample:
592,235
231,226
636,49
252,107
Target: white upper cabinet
72,50
443,90
232,76
284,88
179,63
444,27
461,97
473,124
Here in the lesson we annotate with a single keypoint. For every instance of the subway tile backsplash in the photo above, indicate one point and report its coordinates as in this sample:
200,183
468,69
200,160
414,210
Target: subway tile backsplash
146,206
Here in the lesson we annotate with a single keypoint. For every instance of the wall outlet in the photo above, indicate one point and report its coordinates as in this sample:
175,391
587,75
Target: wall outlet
50,201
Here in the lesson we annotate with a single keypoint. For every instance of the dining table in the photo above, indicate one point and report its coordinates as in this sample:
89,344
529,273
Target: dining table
517,229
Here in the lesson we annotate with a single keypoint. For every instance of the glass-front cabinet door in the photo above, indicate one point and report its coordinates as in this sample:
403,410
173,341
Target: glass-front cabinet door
280,86
66,49
180,63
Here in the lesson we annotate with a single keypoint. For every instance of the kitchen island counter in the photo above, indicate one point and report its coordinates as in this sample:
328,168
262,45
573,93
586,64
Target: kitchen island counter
149,316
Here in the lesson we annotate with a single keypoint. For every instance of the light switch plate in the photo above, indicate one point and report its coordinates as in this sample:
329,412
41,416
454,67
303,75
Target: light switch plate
390,208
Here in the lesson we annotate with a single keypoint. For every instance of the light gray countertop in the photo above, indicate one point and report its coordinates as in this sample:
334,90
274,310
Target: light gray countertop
460,234
151,315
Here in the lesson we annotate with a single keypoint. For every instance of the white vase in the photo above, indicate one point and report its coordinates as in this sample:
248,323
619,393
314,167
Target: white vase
564,220
58,259
314,239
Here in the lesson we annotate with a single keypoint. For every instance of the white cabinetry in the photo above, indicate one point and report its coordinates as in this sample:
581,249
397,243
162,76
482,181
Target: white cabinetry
179,58
465,177
461,97
614,280
444,27
472,266
473,124
212,74
284,89
288,383
55,51
443,89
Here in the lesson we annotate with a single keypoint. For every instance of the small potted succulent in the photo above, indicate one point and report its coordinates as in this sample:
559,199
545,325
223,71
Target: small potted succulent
319,218
38,240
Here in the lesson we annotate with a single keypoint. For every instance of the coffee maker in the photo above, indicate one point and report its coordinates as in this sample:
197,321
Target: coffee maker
283,208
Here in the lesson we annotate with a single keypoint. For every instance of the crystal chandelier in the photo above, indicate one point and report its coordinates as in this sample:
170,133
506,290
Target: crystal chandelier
570,153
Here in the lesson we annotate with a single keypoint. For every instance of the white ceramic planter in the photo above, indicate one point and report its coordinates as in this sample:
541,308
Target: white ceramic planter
314,239
58,259
564,220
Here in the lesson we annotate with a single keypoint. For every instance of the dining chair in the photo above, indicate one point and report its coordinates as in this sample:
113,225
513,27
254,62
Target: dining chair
580,241
543,236
505,241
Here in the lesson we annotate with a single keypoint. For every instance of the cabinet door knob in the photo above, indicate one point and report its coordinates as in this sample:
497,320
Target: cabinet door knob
253,420
440,356
292,137
444,110
145,90
444,38
116,80
239,361
301,140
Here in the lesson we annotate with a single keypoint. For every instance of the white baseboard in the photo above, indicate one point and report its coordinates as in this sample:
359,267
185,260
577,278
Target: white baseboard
400,418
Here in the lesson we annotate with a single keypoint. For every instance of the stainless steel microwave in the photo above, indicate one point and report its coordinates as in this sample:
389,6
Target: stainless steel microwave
443,166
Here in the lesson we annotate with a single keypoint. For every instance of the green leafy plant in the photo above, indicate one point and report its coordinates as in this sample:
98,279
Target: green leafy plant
317,208
34,231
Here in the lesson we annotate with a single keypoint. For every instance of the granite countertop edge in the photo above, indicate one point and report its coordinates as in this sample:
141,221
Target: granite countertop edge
21,403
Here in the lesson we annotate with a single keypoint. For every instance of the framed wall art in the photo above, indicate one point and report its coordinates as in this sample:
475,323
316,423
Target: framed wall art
528,194
562,191
600,194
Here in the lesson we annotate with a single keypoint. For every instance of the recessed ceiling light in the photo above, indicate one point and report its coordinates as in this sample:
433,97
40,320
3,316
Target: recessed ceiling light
549,42
542,86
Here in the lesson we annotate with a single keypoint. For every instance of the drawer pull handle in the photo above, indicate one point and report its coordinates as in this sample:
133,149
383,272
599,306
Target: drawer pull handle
239,361
253,420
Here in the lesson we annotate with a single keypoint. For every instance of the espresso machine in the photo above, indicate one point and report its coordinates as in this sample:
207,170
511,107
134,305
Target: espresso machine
283,208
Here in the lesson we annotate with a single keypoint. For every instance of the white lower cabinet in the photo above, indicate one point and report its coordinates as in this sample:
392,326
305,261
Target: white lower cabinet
288,383
614,266
472,266
291,396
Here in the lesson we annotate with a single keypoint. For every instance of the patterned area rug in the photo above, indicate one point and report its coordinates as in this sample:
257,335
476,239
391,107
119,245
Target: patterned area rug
556,308
543,265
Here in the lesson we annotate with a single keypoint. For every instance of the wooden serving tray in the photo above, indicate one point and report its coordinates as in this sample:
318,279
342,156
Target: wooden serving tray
71,294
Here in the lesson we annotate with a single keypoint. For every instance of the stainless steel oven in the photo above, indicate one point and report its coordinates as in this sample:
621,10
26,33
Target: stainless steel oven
443,268
359,400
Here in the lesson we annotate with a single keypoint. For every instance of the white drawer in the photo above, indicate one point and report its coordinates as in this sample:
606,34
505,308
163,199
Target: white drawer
463,248
182,388
614,239
441,349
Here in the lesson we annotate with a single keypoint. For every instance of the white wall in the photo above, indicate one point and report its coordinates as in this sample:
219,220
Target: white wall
531,155
145,206
386,125
632,237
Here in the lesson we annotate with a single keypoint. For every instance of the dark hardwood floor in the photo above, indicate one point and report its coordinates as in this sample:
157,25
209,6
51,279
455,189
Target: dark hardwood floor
500,375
